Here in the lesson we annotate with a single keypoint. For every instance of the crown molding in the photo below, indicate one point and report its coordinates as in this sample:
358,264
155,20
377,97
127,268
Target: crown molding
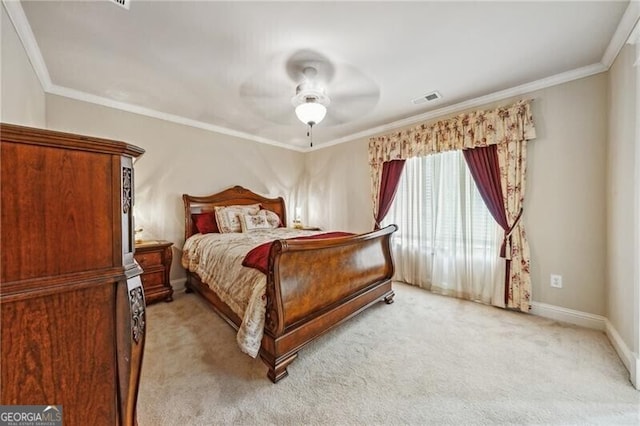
99,100
621,35
21,24
634,38
475,102
471,103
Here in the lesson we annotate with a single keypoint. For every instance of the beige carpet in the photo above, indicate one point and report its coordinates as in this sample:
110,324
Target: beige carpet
425,359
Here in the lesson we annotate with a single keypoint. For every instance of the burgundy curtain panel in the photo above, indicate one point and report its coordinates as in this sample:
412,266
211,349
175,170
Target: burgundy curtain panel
485,169
391,172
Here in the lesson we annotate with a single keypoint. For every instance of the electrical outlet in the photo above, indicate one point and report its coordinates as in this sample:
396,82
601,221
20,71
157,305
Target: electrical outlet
556,281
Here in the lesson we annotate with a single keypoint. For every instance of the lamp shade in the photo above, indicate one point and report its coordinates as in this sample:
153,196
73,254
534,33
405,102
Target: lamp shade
311,112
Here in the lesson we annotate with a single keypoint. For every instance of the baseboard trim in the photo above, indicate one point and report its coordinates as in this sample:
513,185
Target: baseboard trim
178,284
635,375
629,359
558,313
620,346
597,322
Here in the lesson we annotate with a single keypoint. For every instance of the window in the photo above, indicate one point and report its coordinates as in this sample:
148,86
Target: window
447,240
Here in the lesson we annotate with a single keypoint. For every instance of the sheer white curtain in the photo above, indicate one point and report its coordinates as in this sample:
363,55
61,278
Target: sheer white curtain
447,241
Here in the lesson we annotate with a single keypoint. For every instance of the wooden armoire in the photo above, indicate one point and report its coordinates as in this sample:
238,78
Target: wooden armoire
72,311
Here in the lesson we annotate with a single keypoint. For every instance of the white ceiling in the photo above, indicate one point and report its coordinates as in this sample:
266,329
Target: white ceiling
227,66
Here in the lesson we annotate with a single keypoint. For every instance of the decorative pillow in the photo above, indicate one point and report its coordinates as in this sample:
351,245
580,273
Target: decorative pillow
250,222
272,218
227,217
205,223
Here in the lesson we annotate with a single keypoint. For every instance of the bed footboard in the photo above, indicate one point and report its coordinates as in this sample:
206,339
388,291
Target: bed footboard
314,285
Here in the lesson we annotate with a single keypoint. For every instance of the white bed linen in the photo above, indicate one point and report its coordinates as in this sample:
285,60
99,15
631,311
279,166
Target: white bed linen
217,259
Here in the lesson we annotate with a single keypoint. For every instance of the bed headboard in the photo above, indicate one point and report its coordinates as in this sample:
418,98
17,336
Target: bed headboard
232,196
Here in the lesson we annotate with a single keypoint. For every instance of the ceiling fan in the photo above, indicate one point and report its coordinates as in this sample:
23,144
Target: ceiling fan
307,86
310,100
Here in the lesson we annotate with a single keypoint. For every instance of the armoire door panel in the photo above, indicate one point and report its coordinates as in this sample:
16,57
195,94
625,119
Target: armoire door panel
70,365
71,212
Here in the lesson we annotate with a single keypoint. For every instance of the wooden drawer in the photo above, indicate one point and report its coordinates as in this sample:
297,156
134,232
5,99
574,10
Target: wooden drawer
155,259
147,260
153,279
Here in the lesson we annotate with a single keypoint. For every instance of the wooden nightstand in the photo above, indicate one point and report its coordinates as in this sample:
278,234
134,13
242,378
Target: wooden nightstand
155,258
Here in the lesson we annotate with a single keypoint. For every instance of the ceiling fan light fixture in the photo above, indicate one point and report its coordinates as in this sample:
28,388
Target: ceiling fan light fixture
311,112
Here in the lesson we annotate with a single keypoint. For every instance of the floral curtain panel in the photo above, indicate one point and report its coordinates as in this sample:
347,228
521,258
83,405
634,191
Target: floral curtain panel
507,127
512,158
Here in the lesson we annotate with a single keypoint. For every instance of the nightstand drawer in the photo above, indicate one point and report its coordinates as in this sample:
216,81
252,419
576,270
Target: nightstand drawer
153,279
147,260
155,259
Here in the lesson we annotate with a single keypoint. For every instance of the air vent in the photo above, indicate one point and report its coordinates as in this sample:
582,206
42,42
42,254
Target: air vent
122,3
427,98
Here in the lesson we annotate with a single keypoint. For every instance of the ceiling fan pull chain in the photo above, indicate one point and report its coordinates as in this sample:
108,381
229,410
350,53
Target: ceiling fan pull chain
310,134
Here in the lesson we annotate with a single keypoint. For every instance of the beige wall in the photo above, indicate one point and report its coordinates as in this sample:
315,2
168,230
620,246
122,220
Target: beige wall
22,99
565,212
564,209
621,190
337,180
180,159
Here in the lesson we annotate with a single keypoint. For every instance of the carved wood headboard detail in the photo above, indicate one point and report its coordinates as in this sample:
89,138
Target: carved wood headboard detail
232,196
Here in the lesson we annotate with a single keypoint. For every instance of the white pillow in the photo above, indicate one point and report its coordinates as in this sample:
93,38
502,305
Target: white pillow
228,216
250,222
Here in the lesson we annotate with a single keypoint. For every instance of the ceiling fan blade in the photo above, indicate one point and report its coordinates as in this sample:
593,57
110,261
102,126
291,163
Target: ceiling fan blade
268,93
268,96
360,97
277,117
268,88
349,106
275,112
349,81
343,115
352,94
305,58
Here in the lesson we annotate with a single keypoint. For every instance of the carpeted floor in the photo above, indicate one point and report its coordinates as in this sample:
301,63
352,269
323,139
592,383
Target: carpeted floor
425,359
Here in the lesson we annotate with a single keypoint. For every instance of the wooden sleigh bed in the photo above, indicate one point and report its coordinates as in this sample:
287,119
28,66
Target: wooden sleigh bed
312,285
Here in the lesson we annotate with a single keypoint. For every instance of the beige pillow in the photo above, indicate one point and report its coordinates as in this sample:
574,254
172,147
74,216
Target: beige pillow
272,218
228,216
251,222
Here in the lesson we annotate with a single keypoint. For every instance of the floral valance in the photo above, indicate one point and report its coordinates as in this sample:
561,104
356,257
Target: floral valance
512,123
469,130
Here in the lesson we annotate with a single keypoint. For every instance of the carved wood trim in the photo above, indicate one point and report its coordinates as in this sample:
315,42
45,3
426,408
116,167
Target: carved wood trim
127,190
136,298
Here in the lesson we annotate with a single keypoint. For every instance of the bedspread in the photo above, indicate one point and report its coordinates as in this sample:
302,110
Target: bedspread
217,259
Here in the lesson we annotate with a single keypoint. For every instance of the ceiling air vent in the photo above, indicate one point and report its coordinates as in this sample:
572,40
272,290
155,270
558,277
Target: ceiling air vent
427,98
122,3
